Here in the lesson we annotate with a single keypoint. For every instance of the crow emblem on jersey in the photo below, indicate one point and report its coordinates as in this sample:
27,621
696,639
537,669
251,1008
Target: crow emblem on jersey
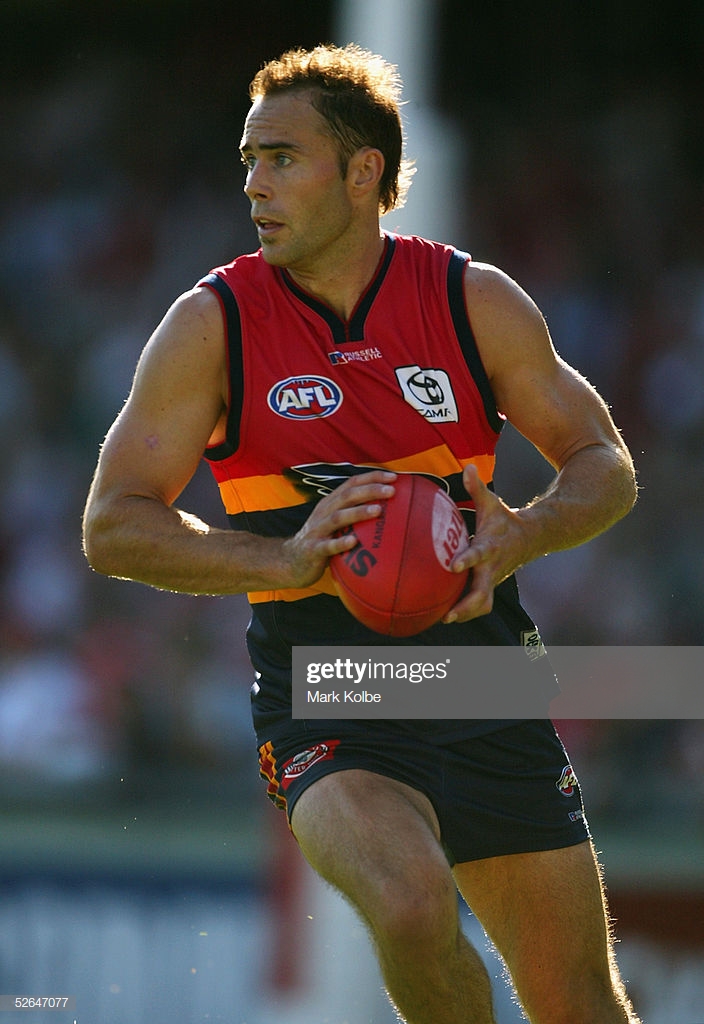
305,398
321,478
429,391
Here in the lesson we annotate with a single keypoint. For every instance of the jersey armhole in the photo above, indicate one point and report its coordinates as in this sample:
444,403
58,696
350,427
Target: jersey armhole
465,336
233,337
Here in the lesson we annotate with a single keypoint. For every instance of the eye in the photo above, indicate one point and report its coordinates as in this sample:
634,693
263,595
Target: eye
247,160
282,160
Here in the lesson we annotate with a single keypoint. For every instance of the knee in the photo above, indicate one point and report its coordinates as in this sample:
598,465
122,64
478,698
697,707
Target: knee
416,910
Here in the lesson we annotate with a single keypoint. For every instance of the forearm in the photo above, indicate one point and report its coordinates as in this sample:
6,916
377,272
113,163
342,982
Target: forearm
142,539
592,491
138,537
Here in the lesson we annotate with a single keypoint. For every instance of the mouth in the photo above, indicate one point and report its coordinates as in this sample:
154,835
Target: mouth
266,227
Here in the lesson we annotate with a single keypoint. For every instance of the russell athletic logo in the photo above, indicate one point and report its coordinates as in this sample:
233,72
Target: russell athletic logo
305,398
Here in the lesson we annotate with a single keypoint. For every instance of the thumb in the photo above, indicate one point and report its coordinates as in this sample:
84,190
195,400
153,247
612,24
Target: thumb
474,485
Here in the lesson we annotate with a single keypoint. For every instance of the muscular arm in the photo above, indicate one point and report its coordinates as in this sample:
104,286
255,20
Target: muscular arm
177,404
563,416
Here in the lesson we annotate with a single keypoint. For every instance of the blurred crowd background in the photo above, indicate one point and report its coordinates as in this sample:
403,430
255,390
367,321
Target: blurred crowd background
582,177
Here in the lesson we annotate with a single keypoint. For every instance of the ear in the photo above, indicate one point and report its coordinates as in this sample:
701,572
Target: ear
364,171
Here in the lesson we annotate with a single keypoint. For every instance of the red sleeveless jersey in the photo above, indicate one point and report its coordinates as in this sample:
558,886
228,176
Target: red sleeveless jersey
399,386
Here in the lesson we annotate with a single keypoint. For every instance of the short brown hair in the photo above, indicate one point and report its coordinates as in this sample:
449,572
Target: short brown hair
358,94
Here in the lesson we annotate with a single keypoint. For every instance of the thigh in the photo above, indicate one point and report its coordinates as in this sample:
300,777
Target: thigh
545,913
370,836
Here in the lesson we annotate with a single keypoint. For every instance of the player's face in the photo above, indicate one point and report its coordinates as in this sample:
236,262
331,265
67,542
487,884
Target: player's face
301,204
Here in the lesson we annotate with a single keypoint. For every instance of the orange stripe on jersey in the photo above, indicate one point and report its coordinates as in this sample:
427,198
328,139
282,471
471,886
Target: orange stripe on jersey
254,493
324,585
442,462
259,493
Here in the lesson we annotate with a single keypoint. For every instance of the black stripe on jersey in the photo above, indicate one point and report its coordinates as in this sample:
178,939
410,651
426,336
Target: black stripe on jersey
343,331
465,336
272,522
233,326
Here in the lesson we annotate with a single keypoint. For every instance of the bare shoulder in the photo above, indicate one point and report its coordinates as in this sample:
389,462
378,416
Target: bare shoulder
176,405
485,283
199,305
544,397
185,358
193,322
508,325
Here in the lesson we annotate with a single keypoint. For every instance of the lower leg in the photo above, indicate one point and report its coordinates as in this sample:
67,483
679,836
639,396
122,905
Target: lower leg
449,987
546,913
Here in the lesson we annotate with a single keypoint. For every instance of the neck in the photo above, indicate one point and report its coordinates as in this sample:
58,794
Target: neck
340,282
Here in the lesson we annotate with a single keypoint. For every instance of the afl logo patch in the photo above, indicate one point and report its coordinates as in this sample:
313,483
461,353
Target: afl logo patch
305,398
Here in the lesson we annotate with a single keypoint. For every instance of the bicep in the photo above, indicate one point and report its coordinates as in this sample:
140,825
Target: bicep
175,404
547,400
558,411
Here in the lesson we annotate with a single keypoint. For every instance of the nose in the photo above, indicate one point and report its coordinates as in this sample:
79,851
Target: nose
256,185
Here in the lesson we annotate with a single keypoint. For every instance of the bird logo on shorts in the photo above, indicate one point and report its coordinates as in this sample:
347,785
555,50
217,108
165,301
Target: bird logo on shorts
567,783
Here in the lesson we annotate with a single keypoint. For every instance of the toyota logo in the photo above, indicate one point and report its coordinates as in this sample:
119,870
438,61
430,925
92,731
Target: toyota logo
426,388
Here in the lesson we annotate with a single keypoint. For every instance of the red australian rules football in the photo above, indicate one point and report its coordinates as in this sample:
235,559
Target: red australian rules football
397,578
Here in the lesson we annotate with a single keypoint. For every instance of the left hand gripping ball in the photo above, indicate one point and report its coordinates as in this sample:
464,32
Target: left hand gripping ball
396,579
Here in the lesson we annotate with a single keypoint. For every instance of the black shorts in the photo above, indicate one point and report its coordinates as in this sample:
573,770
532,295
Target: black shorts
509,791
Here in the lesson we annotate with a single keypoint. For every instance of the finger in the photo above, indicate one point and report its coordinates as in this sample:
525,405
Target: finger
343,540
479,601
357,507
360,490
332,531
485,549
342,520
468,558
336,534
